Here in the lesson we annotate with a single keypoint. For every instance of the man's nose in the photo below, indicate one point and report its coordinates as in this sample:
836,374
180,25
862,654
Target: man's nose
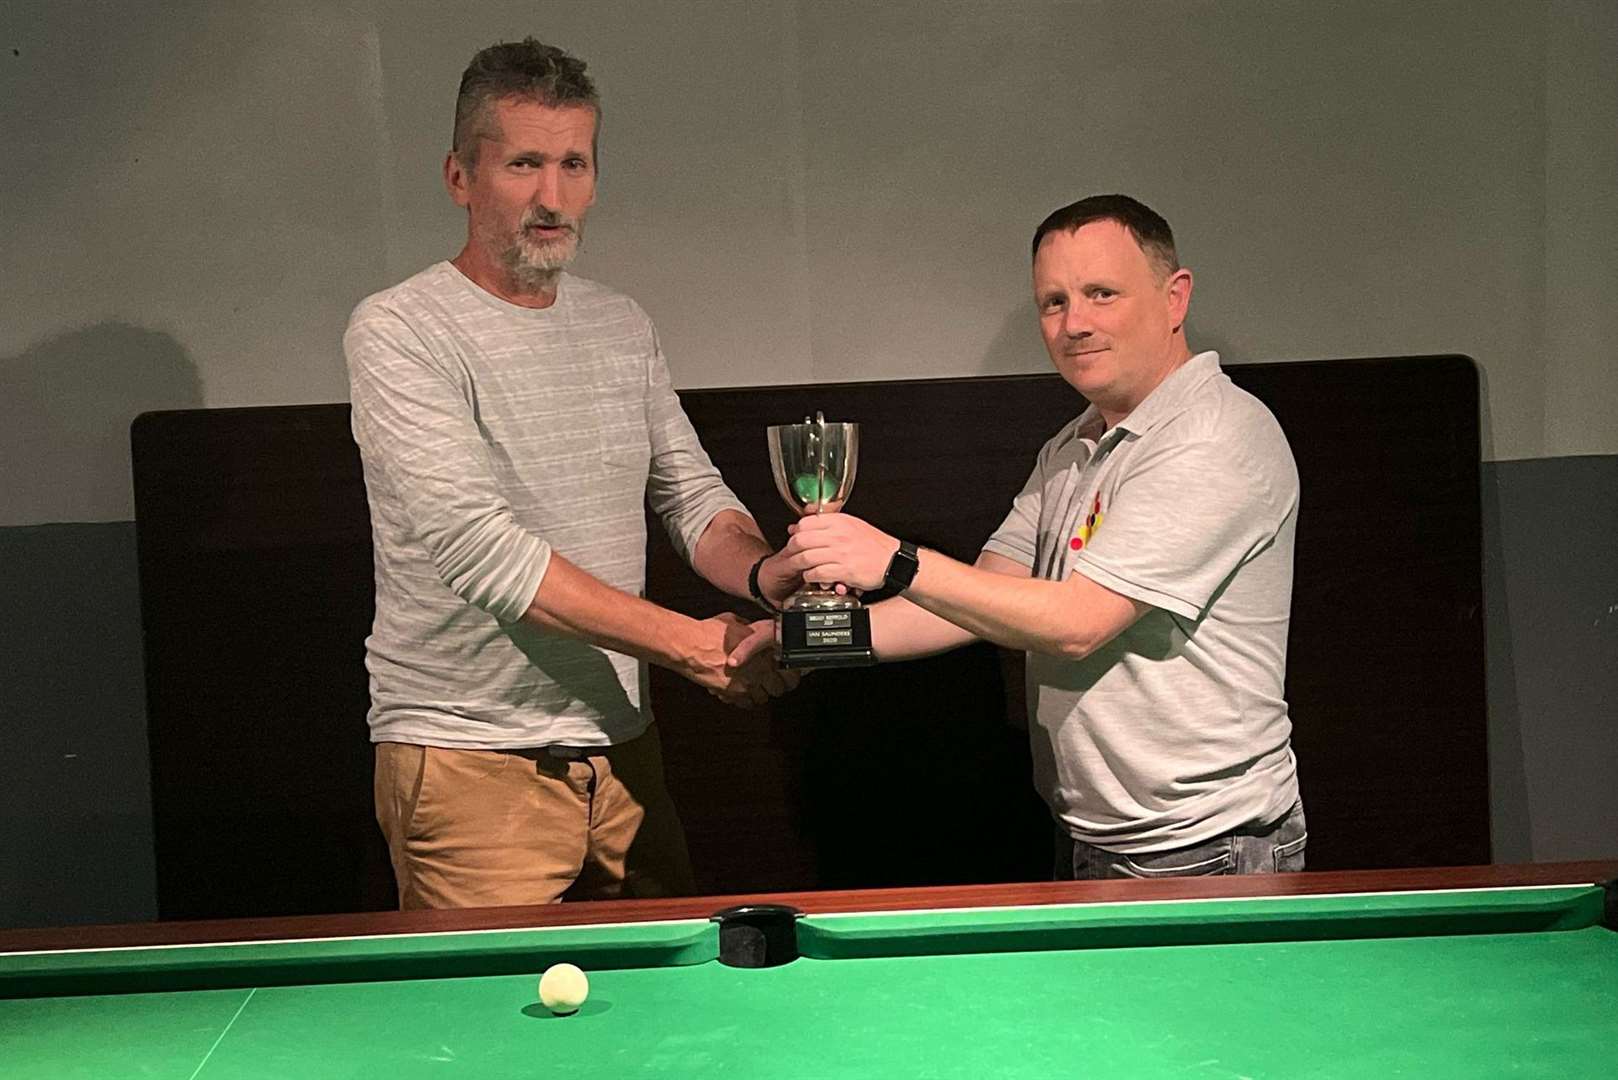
1074,323
549,193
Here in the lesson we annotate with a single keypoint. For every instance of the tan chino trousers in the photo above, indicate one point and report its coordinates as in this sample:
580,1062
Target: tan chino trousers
480,828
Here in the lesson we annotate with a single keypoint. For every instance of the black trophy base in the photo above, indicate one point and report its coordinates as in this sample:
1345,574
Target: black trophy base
817,639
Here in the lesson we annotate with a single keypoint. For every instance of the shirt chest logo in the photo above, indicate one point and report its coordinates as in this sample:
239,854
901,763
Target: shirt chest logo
1087,526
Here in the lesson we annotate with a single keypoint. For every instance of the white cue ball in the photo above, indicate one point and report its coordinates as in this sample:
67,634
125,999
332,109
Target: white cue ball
563,988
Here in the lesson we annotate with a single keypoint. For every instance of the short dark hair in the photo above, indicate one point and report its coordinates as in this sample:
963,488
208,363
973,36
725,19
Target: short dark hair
1146,225
526,69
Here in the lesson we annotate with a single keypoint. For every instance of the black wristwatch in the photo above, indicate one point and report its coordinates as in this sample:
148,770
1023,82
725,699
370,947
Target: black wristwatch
902,568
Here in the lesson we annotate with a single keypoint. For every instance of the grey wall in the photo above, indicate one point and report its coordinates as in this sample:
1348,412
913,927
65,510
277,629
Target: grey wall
194,194
1551,590
817,190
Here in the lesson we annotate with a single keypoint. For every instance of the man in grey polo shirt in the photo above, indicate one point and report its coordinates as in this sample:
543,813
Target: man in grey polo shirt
512,420
1146,567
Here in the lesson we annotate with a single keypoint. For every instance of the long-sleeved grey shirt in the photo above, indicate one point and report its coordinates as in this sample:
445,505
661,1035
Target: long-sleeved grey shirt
493,435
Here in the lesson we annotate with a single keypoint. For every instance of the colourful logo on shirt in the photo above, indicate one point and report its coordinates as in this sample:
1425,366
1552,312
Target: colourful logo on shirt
1092,522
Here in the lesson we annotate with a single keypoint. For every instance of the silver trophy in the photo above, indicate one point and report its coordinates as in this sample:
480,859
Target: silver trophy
814,464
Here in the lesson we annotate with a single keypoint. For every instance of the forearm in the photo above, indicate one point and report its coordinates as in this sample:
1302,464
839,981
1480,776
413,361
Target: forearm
902,631
996,600
575,604
727,550
1069,618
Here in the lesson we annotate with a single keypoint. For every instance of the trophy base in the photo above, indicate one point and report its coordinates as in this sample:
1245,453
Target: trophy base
825,638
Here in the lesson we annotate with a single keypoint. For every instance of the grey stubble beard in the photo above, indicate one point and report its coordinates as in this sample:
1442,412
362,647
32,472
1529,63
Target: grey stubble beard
533,267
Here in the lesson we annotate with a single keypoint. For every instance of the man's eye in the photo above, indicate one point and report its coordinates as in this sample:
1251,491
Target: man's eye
1051,303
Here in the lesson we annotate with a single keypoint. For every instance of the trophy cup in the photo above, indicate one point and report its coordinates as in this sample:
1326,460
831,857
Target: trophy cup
814,464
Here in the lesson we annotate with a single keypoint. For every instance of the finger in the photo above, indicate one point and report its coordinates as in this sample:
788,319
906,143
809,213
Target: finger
813,523
806,541
803,562
754,644
826,574
809,558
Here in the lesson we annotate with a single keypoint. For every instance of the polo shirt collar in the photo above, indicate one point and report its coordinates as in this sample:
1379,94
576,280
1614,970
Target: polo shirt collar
1172,394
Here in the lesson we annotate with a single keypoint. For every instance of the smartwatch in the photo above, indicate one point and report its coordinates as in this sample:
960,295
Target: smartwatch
902,568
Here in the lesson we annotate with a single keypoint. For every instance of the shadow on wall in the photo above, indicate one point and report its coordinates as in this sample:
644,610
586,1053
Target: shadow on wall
65,409
1511,823
74,780
1511,818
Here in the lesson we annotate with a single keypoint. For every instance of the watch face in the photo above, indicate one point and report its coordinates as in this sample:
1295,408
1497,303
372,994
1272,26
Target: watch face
902,568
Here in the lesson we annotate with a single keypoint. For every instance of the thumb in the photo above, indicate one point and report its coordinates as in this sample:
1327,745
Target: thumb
750,647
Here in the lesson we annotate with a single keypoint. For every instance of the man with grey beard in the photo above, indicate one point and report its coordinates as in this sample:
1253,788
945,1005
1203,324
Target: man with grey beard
512,419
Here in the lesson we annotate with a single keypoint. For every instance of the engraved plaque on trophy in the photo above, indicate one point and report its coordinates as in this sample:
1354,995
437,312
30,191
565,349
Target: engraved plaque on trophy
814,464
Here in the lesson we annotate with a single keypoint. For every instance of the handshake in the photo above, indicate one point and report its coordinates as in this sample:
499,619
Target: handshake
738,661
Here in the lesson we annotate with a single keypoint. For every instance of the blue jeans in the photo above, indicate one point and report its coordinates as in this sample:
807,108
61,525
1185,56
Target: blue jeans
1275,848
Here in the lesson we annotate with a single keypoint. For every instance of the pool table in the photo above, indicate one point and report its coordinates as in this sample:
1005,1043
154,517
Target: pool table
1468,972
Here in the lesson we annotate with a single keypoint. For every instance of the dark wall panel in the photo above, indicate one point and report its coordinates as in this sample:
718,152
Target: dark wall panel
75,818
255,564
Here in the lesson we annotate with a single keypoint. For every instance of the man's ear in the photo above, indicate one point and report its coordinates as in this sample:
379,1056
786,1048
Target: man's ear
457,179
1179,294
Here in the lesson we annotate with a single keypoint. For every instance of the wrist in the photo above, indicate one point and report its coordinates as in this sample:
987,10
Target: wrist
756,591
902,568
683,646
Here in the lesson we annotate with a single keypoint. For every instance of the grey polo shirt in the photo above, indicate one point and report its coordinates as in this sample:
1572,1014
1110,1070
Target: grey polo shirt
1176,730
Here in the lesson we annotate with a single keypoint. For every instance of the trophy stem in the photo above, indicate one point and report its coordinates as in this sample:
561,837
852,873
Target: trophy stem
820,469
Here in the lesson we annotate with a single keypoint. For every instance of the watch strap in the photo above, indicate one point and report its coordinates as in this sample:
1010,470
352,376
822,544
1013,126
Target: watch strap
902,568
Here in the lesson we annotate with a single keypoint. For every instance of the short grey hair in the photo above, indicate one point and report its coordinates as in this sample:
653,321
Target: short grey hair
526,70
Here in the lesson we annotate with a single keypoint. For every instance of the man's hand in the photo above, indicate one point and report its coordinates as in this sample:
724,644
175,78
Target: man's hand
777,580
736,663
754,661
839,549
